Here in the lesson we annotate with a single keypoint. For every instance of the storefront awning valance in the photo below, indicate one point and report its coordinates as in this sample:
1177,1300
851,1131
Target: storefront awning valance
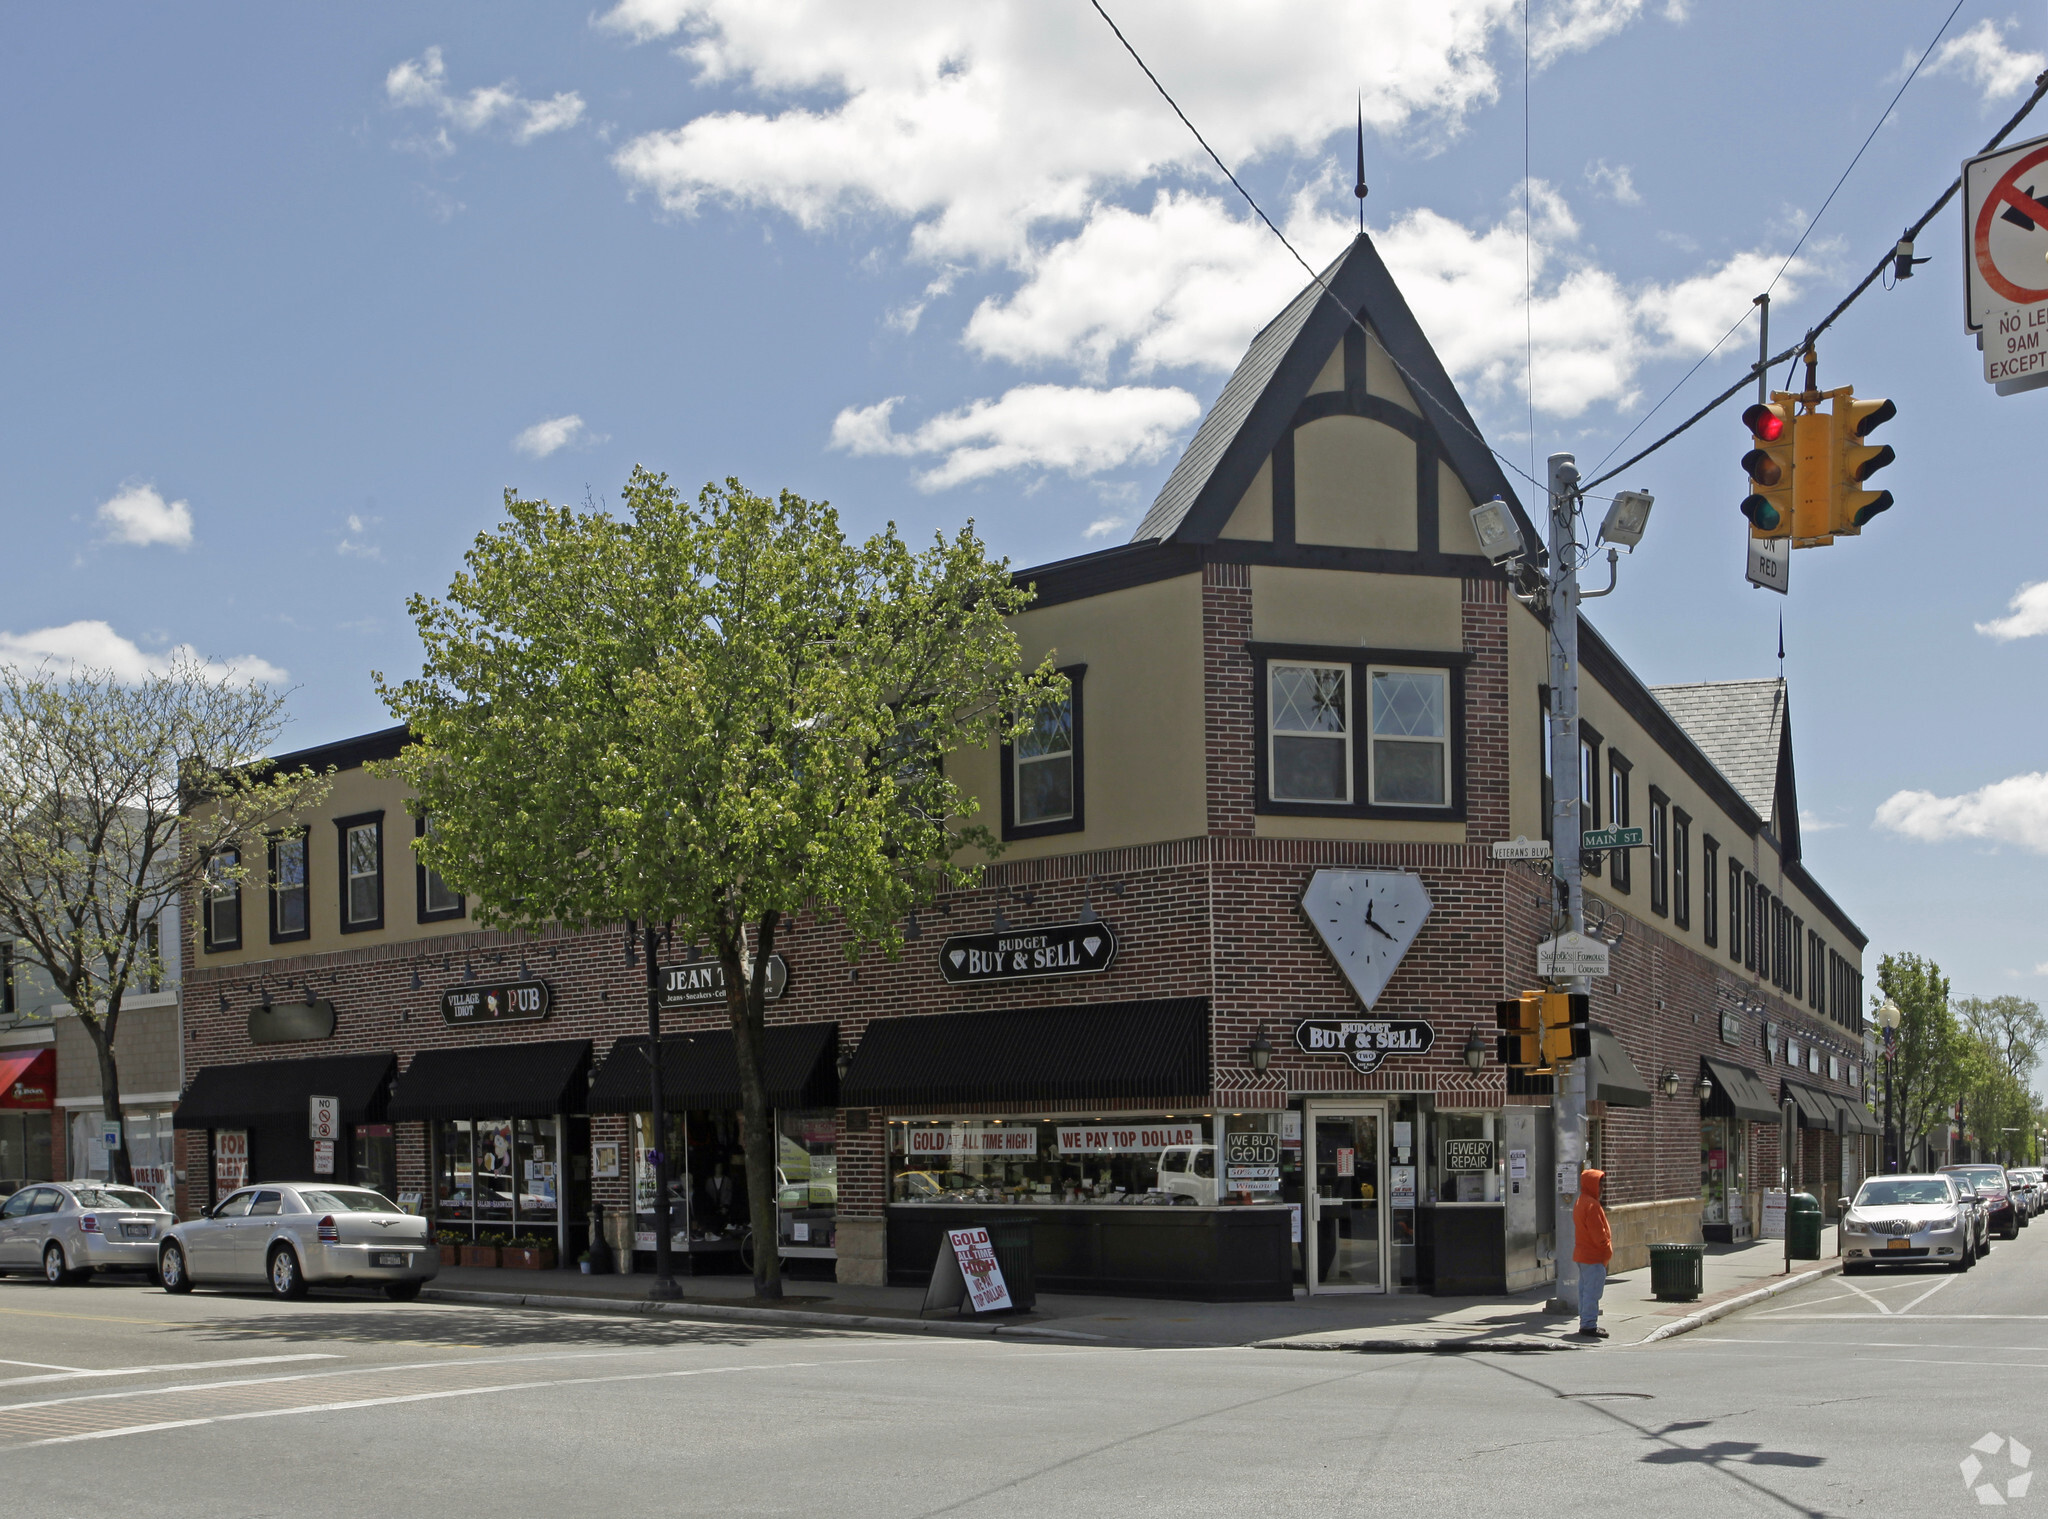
1108,1052
281,1091
1613,1077
1856,1117
494,1081
1817,1110
1738,1093
701,1071
28,1078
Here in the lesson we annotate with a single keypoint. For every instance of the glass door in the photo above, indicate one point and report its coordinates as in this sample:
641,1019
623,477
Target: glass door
1346,1213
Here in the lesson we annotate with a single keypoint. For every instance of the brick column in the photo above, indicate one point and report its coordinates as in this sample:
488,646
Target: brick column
1228,700
1484,616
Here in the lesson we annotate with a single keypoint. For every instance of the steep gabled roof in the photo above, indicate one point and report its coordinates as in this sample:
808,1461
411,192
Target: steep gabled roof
1741,726
1259,402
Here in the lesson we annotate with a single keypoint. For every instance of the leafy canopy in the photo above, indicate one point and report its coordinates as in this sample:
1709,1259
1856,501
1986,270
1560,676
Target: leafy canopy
708,714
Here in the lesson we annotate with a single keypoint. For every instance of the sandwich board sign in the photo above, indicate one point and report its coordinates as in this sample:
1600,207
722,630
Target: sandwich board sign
2005,263
967,1275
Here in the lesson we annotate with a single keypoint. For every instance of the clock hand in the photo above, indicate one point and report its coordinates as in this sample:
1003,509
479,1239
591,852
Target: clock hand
1374,926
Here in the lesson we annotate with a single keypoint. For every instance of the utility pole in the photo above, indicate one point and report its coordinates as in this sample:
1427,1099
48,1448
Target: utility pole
1568,1102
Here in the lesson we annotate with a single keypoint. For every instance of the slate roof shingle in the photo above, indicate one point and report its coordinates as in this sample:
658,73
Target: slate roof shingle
1739,726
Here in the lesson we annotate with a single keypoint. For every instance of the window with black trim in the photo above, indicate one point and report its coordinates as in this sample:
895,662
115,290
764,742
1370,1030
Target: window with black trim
1816,971
1794,960
1410,760
1737,909
438,901
1308,756
152,955
1043,791
223,901
1619,772
361,840
1660,853
1710,889
1589,794
290,915
1360,732
1681,867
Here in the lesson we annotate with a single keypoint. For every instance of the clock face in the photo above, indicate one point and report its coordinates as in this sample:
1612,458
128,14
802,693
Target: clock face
1366,919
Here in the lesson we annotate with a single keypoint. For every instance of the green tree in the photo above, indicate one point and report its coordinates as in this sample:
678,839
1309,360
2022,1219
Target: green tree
1929,1050
2007,1034
702,720
96,835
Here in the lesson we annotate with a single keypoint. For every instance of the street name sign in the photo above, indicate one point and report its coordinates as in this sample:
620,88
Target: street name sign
1611,838
1521,849
2005,262
1571,955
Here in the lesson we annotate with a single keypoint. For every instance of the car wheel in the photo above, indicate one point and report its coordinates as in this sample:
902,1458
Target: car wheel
2012,1229
402,1292
286,1279
171,1274
55,1272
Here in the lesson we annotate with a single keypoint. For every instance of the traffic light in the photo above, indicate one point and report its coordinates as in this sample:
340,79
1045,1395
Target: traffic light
1566,1035
1852,461
1770,465
1521,1045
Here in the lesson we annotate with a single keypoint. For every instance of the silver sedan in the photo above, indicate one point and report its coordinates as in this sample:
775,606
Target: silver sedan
68,1230
1910,1220
296,1235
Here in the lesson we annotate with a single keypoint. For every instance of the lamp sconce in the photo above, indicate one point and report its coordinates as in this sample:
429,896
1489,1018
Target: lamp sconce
913,930
1260,1050
1670,1084
416,978
845,1062
1474,1051
1705,1087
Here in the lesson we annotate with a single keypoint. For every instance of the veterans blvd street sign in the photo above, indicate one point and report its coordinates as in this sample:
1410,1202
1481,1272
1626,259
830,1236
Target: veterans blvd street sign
1025,954
1611,838
1521,849
700,982
1570,955
2005,259
518,1002
1365,1042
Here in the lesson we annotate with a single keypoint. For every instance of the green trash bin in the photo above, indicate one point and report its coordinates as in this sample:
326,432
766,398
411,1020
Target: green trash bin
1677,1273
1802,1226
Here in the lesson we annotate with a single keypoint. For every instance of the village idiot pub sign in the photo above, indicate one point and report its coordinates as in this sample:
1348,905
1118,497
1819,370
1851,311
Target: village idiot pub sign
1026,954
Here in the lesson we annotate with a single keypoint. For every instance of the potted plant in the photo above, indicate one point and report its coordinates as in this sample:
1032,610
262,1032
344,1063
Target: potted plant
583,1262
451,1245
486,1250
529,1252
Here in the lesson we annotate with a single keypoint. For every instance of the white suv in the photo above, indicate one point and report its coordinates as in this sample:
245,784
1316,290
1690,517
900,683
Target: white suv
1189,1171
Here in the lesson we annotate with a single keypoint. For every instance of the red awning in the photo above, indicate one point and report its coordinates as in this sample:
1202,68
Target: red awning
28,1078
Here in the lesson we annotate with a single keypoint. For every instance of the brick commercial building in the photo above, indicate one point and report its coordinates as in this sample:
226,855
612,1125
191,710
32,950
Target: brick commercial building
1220,1022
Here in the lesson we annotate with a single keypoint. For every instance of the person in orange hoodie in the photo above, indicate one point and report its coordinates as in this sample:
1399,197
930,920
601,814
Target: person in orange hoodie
1592,1248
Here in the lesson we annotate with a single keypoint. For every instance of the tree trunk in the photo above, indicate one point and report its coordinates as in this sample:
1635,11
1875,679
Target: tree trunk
747,1008
101,1034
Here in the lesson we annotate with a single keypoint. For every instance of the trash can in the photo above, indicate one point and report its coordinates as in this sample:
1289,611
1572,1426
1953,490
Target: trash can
1010,1239
1677,1273
1802,1226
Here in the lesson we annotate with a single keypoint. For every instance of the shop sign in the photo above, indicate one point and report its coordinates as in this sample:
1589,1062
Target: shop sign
1468,1155
968,1272
230,1158
701,983
1128,1139
972,1139
1251,1161
291,1022
1028,954
1403,1188
1366,1043
1774,1213
1569,955
515,1002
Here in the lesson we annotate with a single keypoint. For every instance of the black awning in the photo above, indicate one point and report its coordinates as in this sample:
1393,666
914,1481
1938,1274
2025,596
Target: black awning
1104,1052
1856,1117
1613,1077
1738,1093
1817,1110
281,1091
494,1081
701,1071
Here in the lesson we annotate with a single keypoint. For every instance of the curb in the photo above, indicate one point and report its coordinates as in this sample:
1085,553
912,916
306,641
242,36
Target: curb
1707,1316
724,1313
1460,1345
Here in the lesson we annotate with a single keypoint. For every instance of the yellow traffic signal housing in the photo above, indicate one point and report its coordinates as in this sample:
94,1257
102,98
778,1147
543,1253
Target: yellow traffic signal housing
1813,441
1771,465
1521,1043
1852,461
1566,1034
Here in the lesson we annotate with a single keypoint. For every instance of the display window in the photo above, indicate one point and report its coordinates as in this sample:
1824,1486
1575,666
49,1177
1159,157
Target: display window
806,1181
1155,1158
24,1147
1724,1171
707,1181
491,1175
151,1150
1464,1157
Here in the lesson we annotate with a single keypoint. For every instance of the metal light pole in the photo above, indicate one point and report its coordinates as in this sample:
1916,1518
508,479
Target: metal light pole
1889,1017
664,1288
1568,1104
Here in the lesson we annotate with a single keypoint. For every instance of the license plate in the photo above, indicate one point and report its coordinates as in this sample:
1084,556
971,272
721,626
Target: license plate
388,1258
1899,1244
135,1231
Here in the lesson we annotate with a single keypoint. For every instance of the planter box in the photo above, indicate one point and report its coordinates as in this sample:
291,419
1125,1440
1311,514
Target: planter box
527,1260
451,1255
479,1255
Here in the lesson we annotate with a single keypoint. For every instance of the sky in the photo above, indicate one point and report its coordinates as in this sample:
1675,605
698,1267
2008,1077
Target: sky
298,292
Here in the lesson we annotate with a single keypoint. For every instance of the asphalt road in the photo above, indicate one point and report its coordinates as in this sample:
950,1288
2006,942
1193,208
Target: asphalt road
1845,1397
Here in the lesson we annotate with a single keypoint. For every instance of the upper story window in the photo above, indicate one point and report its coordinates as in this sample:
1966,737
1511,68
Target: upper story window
362,871
1411,738
1589,795
1681,868
1042,769
1660,852
1618,816
1310,738
437,900
289,917
223,897
1736,909
152,955
1710,889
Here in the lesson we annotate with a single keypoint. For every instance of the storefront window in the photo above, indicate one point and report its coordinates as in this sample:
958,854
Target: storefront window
1724,1171
490,1174
707,1181
1465,1158
806,1181
25,1147
1261,1158
1161,1158
373,1158
151,1153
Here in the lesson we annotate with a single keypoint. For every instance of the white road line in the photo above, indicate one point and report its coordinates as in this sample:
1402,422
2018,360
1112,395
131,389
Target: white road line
39,1365
1928,1318
1947,1281
1866,1297
73,1374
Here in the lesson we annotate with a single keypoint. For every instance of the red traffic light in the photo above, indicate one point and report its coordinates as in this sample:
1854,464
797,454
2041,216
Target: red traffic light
1765,423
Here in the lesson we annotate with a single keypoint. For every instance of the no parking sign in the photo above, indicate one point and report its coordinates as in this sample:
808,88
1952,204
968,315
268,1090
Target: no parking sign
2005,258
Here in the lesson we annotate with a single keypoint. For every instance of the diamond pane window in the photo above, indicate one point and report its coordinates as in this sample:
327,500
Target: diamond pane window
1310,759
1045,765
1411,746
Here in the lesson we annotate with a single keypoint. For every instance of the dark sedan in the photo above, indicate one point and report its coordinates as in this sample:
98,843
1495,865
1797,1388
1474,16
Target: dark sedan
1995,1187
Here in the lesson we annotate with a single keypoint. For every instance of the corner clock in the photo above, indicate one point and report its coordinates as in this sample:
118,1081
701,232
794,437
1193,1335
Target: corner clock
1366,919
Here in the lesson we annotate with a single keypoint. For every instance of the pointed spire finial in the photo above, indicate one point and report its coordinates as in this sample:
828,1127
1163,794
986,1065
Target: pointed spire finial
1359,188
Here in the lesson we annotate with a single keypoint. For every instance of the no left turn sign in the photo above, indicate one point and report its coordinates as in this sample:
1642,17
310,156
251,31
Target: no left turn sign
2005,247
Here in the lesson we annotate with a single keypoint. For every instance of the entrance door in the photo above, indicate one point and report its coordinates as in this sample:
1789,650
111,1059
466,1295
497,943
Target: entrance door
1346,1237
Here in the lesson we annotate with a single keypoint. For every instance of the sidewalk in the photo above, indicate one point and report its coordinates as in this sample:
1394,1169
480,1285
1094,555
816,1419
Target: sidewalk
1397,1322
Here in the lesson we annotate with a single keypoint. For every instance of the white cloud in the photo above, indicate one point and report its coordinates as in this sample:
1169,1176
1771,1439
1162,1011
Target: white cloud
1616,182
357,545
97,647
1102,527
556,433
1045,427
978,124
137,514
2029,615
1982,56
422,84
2011,811
1810,822
1573,26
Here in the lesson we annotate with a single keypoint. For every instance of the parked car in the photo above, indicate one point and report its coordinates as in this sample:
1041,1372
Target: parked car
1991,1184
2027,1187
68,1230
296,1235
1911,1220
